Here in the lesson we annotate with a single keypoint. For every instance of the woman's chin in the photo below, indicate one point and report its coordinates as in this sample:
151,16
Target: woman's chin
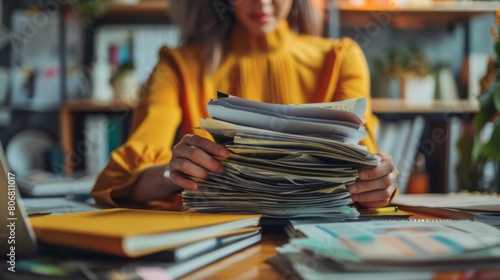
263,29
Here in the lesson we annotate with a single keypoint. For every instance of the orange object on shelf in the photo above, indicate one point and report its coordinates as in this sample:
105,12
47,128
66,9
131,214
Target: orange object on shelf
419,179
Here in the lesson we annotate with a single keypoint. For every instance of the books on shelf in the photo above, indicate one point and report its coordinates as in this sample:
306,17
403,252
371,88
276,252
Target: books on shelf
102,135
44,183
466,206
388,249
134,233
294,160
401,139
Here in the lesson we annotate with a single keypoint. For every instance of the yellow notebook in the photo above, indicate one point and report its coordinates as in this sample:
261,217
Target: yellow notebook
134,232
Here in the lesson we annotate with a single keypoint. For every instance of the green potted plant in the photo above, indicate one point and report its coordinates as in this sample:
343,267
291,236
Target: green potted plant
126,84
479,168
405,73
90,10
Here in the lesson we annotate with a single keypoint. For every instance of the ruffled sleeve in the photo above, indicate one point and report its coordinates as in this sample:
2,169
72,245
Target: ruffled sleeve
155,122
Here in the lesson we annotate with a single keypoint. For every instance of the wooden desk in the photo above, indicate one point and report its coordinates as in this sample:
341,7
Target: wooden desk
247,264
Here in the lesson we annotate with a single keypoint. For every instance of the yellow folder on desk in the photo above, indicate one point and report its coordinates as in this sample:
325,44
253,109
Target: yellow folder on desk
134,232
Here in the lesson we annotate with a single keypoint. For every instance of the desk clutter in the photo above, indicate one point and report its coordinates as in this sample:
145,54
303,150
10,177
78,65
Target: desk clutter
295,161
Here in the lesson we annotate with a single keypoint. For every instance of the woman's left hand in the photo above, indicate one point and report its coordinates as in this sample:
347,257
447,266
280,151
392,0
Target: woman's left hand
376,185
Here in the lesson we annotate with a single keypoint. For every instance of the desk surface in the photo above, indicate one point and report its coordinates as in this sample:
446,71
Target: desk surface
247,264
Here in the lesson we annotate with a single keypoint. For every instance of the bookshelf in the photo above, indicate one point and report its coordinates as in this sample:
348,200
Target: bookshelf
400,106
443,126
72,115
444,120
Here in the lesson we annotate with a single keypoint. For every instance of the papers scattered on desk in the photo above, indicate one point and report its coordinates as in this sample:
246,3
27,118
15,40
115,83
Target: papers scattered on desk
461,206
292,161
55,206
43,183
386,249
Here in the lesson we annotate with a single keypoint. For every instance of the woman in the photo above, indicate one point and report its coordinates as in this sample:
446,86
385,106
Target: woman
245,48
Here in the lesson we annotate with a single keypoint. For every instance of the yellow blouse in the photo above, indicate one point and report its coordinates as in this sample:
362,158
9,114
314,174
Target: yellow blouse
281,67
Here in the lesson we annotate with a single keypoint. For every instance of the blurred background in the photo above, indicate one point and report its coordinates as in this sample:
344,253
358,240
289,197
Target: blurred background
71,72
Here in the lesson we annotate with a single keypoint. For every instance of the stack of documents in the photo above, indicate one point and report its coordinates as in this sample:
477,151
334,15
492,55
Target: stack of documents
287,161
388,250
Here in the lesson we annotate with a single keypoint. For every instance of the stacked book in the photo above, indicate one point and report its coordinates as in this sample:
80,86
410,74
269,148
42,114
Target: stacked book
287,161
126,242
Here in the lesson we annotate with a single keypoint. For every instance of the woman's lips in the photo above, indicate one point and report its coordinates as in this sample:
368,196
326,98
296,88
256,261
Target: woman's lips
260,17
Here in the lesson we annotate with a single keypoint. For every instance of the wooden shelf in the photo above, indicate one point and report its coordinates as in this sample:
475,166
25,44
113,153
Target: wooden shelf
399,106
145,9
434,7
421,16
95,106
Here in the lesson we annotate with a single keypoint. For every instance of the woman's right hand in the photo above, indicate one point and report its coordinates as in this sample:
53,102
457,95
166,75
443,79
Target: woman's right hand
194,156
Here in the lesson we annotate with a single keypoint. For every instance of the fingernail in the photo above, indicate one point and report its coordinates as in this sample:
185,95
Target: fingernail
362,175
193,186
353,188
354,197
224,153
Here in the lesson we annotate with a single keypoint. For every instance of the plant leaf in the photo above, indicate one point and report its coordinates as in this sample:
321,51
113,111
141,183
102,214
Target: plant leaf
492,148
476,147
497,48
487,108
496,98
